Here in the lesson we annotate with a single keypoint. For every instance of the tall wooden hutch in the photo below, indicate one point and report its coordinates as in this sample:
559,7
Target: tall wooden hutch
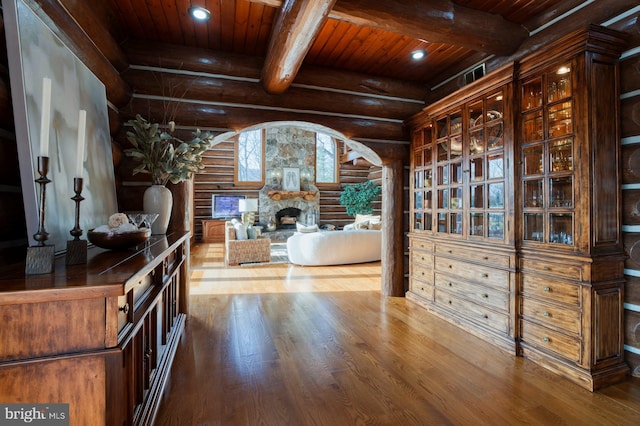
516,229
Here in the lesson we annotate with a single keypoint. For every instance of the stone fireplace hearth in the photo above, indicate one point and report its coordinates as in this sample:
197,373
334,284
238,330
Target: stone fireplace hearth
268,207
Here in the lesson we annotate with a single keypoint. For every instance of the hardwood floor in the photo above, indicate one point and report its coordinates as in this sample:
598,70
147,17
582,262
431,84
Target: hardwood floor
287,345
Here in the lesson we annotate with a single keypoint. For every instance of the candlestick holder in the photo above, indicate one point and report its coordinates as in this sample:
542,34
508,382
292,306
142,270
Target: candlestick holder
40,258
77,248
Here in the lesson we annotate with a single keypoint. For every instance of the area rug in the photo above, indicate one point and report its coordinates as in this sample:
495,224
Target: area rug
278,256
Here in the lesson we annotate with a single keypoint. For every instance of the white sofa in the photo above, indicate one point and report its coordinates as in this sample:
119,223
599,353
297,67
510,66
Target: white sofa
335,247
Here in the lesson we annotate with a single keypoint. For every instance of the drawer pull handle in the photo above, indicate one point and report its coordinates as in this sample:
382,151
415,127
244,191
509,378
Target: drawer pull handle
485,316
422,258
485,275
486,296
450,302
450,266
422,273
422,288
546,289
545,339
124,309
545,314
486,257
449,251
546,268
450,284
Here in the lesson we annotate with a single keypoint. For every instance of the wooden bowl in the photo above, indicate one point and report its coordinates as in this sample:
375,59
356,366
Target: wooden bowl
113,241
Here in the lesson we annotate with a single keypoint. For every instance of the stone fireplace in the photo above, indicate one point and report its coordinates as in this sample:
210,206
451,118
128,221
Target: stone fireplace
273,203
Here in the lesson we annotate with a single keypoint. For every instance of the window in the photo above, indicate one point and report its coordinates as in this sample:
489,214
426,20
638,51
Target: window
326,159
250,157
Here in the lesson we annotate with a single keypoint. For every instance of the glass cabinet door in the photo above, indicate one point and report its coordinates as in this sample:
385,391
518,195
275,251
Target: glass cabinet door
547,159
485,159
422,180
460,170
449,173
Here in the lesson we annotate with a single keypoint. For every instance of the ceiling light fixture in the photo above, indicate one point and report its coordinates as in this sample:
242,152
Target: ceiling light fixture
418,54
199,13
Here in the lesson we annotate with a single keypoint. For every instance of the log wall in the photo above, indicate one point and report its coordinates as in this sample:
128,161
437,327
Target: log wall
630,140
217,178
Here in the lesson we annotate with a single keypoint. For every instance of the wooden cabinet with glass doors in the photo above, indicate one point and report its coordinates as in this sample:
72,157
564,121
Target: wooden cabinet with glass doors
571,255
462,171
547,157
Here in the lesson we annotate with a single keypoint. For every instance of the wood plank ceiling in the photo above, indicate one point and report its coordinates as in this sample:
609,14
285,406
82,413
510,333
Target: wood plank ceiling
357,35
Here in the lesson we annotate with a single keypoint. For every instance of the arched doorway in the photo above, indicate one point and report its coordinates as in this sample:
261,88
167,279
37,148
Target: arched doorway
392,189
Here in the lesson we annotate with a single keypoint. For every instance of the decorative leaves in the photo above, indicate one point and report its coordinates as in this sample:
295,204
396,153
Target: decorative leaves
165,157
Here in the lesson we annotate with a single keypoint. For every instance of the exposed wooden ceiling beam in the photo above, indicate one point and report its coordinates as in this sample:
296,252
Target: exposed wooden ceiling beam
435,21
296,27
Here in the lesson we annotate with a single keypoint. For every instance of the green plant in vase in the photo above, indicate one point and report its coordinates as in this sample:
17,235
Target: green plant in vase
358,198
167,159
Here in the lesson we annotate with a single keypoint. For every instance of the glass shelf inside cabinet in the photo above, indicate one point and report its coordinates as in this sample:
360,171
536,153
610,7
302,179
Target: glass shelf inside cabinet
533,195
560,122
532,94
561,191
532,126
559,84
561,228
532,160
534,227
476,224
496,225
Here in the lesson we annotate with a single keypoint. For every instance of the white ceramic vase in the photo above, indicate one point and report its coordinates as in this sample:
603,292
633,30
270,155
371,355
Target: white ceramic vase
158,199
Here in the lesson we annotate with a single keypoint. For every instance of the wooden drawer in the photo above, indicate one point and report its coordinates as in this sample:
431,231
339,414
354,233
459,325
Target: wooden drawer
124,307
422,258
555,317
543,337
422,289
485,275
572,272
554,290
476,313
421,272
421,244
141,289
494,259
479,294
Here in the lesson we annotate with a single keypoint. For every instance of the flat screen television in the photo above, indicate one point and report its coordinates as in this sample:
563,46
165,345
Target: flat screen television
225,206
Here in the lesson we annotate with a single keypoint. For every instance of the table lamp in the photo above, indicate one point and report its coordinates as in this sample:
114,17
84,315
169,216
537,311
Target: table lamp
248,207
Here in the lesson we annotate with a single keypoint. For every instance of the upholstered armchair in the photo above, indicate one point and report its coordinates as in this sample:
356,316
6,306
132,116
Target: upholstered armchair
244,251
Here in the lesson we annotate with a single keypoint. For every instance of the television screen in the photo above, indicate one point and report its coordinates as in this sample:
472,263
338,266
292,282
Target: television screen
225,206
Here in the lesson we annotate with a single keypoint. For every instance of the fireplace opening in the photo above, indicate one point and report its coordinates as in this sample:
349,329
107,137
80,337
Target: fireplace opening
287,218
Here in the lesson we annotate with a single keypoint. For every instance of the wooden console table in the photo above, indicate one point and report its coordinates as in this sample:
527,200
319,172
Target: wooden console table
101,336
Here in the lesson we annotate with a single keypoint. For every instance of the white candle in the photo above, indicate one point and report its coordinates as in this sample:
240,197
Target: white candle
82,124
46,113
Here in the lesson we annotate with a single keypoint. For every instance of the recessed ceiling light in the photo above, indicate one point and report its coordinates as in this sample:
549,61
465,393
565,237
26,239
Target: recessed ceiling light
199,13
418,54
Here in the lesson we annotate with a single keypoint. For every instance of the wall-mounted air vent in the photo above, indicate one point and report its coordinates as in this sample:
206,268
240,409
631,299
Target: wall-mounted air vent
474,74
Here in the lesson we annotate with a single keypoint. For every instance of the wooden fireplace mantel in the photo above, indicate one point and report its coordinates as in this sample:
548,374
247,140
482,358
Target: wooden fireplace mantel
284,195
